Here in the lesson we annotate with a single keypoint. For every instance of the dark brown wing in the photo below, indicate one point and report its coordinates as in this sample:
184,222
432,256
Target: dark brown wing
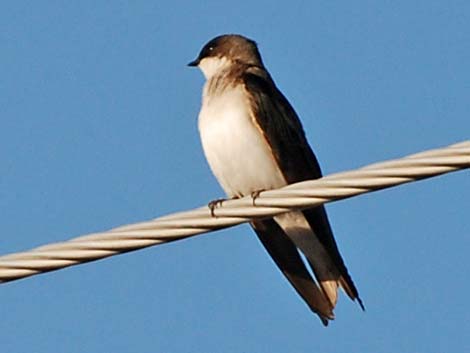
286,137
282,127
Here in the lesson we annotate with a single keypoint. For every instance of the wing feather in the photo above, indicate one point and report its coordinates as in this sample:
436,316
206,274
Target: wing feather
284,133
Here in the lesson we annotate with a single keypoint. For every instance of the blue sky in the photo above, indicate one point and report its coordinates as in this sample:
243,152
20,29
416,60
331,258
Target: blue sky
98,128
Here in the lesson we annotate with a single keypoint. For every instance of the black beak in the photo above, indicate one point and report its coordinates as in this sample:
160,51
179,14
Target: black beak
194,62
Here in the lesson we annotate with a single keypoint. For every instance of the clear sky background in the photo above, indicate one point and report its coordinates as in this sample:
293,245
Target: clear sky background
98,129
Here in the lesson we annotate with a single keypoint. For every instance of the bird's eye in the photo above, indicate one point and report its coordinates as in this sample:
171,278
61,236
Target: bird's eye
207,51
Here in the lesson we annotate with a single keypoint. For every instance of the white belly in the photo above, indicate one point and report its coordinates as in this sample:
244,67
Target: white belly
236,151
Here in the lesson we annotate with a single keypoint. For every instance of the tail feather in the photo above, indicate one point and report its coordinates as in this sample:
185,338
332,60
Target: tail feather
318,221
287,258
290,232
326,262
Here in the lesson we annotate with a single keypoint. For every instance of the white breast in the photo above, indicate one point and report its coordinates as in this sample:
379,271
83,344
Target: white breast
236,151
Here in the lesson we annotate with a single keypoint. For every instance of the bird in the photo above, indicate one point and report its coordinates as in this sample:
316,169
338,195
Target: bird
254,141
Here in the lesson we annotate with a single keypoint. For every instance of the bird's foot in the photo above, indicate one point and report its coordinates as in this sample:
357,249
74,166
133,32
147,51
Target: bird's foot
255,195
214,204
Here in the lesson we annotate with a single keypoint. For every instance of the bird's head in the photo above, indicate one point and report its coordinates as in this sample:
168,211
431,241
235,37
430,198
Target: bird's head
225,50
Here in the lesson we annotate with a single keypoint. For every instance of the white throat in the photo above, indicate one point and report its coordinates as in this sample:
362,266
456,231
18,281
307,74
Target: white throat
213,65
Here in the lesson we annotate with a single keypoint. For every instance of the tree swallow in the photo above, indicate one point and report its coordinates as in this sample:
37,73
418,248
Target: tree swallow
253,140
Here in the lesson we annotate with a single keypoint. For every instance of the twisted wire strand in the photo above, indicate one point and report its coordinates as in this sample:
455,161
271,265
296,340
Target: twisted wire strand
233,212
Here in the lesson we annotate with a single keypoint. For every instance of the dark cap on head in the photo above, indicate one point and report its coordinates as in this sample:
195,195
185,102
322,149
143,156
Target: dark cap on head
233,47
